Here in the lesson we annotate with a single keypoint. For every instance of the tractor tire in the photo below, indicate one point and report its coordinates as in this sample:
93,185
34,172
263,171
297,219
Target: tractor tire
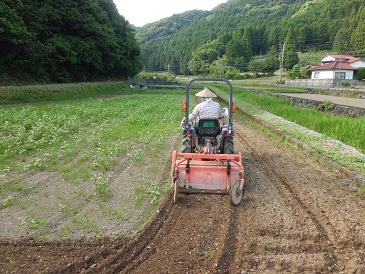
186,144
228,146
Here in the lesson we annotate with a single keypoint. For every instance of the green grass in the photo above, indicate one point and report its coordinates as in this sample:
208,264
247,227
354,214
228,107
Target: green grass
9,201
57,92
207,254
361,190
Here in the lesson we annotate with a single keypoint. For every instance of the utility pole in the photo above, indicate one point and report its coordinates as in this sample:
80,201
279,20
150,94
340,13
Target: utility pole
281,62
220,68
339,71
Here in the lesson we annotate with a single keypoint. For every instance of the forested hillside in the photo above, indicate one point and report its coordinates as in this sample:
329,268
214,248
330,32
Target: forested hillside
73,40
237,32
65,41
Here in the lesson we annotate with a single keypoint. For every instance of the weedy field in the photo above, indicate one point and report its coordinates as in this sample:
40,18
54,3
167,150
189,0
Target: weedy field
58,162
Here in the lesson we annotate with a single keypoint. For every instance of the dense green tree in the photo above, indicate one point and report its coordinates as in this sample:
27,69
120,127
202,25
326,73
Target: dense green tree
210,51
12,28
200,67
358,37
218,68
360,74
273,36
67,41
13,32
294,73
291,57
174,65
239,48
235,47
324,25
266,64
259,40
342,40
247,46
304,35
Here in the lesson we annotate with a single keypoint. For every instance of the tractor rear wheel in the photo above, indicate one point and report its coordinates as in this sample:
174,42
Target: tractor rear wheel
186,144
236,194
228,145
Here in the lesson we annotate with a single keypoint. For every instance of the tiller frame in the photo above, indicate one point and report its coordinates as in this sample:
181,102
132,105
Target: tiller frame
208,173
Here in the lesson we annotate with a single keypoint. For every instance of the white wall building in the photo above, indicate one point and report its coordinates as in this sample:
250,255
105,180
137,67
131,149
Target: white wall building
336,66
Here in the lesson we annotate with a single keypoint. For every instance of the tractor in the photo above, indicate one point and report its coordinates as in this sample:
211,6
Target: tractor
207,162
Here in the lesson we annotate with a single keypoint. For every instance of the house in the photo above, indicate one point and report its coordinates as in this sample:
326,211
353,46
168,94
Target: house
336,66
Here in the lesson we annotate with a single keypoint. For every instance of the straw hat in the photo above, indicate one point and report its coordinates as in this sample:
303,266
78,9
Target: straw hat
206,93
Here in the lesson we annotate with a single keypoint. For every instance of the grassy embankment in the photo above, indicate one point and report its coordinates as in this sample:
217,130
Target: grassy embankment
59,92
84,141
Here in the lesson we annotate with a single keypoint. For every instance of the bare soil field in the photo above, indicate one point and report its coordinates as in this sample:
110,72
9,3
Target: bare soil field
297,216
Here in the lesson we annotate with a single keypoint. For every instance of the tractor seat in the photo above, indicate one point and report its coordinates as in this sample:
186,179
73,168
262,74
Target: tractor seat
208,127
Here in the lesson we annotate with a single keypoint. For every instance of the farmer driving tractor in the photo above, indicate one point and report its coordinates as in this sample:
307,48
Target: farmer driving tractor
206,109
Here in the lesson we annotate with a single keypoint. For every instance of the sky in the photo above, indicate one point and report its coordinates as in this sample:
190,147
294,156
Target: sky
142,12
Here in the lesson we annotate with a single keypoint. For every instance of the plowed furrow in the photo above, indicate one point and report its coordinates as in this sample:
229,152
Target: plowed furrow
192,240
291,198
287,221
225,262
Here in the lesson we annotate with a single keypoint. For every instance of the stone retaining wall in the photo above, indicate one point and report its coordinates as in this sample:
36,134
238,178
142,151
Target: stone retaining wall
335,109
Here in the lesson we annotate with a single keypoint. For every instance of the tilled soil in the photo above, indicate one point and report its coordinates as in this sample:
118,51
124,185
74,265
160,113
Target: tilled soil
297,216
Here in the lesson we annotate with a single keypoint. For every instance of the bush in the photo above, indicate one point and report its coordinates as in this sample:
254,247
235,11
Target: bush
158,76
326,106
360,74
298,72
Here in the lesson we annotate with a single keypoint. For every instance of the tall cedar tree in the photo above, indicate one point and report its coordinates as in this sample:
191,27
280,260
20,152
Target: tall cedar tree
247,47
358,38
291,57
235,47
342,42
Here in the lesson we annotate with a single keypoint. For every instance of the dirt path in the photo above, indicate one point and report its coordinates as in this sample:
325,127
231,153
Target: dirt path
297,216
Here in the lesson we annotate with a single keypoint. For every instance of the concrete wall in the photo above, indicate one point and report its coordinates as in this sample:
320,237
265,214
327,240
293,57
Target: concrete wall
324,83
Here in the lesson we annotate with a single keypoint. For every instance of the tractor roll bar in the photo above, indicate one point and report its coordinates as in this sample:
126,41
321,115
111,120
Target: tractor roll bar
186,125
